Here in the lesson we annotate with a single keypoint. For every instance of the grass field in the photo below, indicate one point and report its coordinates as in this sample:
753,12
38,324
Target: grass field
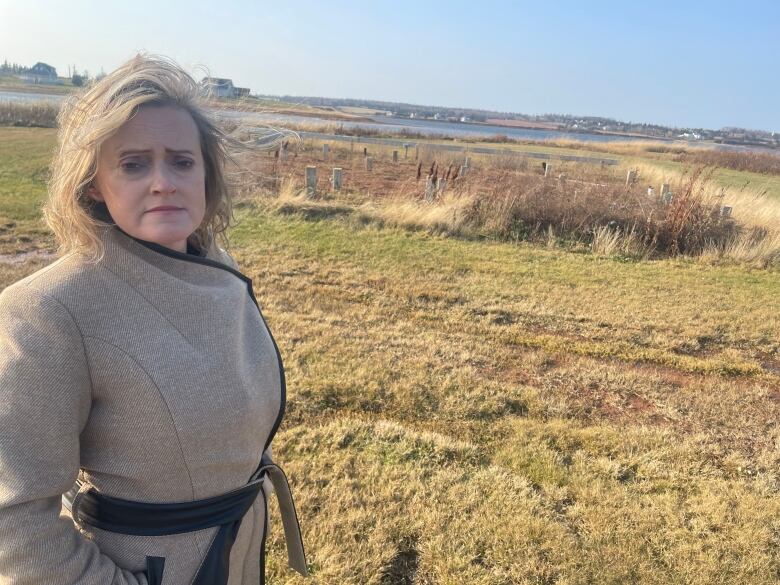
493,413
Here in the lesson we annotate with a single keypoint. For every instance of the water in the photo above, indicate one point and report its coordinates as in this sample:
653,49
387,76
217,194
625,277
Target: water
18,96
385,124
432,127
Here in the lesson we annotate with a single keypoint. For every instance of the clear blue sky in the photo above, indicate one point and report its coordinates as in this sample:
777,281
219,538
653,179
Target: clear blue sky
699,64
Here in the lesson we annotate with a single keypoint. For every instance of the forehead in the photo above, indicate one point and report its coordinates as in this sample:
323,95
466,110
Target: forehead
155,127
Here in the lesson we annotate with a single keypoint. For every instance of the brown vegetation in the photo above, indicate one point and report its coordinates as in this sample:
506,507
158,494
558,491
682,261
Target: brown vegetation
42,114
510,198
756,162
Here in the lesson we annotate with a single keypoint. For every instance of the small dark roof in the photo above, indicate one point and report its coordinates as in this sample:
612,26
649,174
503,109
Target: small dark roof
40,67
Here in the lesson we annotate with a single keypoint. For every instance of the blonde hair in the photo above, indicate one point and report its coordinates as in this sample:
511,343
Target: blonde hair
89,118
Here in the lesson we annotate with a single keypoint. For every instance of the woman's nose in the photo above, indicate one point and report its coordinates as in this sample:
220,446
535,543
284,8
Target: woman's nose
161,181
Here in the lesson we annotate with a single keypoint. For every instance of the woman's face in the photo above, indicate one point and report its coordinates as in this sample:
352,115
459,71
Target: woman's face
151,176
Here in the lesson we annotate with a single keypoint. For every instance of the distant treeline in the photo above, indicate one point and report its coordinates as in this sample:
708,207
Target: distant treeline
13,68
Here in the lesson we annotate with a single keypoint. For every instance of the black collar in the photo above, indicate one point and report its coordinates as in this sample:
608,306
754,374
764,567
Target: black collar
100,211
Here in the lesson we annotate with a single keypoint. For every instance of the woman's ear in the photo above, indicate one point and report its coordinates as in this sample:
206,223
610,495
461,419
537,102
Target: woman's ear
94,192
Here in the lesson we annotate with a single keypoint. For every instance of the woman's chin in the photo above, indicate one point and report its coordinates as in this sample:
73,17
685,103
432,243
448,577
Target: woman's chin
176,240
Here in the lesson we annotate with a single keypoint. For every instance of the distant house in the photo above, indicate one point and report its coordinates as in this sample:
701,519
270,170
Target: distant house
41,73
217,87
220,87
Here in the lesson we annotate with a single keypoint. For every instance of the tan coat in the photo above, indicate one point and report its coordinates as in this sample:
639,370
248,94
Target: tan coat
154,376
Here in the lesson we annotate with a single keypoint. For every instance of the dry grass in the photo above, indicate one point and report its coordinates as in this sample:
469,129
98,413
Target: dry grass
608,241
752,161
508,197
753,207
490,413
41,114
468,440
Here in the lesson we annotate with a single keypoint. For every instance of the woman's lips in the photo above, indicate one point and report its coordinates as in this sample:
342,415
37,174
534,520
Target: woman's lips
165,209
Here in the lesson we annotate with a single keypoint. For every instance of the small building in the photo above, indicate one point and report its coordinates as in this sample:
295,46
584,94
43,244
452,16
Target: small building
41,73
218,87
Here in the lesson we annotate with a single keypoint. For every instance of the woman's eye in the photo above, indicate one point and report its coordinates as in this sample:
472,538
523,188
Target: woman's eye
131,166
185,163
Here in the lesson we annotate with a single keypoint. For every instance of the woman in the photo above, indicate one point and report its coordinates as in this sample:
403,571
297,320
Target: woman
140,387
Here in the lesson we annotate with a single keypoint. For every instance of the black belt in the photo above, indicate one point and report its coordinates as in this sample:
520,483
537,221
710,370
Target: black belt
227,510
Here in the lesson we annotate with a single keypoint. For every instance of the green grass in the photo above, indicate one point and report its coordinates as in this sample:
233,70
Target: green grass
25,154
24,160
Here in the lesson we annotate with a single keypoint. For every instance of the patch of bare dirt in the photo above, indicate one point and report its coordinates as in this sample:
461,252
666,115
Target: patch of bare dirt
31,255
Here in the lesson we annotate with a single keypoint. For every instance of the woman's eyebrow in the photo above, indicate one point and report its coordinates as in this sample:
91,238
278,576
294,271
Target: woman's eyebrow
148,150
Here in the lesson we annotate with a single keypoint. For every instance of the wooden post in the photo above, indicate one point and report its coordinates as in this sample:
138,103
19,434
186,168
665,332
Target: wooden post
369,163
325,151
463,170
630,177
665,188
406,150
365,151
311,181
430,188
467,162
547,169
416,152
336,179
395,156
441,185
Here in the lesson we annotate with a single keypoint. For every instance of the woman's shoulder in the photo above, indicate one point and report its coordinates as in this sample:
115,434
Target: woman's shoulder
221,255
56,281
34,311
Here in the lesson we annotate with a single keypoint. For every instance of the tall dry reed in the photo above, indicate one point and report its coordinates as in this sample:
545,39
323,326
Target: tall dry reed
40,114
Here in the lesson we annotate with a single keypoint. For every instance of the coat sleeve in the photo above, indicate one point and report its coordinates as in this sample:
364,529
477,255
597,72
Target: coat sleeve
45,396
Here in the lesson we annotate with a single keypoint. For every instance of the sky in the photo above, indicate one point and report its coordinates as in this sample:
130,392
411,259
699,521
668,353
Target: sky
706,64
